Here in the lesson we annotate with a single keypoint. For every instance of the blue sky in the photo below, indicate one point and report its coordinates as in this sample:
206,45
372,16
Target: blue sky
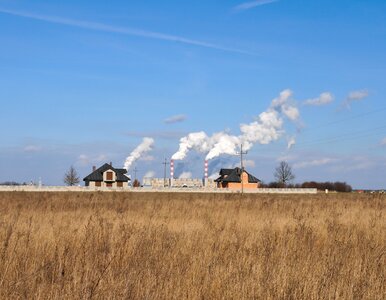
81,83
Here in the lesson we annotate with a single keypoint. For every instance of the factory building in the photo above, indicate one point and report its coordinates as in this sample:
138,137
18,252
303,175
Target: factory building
178,183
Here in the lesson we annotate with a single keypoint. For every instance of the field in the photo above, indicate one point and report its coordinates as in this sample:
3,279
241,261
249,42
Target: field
192,246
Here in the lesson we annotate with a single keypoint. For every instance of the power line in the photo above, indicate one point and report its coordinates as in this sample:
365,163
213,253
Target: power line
135,173
346,136
348,118
241,153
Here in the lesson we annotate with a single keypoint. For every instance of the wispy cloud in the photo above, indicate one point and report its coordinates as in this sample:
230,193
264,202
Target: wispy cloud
32,148
149,174
175,119
313,163
157,134
252,4
355,96
323,99
84,159
121,30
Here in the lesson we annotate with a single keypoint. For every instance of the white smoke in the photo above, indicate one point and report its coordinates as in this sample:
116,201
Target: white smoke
223,143
198,141
149,174
290,142
185,175
323,99
143,148
267,128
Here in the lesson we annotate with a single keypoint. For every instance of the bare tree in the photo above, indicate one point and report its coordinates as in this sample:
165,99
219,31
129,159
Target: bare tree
136,183
283,173
71,177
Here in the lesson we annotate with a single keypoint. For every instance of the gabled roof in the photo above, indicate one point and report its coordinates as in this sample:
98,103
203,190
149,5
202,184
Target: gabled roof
234,175
97,175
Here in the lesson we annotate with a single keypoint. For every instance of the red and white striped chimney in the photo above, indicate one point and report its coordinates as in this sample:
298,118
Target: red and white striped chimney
171,168
171,172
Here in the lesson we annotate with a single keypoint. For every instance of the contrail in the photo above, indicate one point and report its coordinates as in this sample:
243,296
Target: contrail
121,30
253,4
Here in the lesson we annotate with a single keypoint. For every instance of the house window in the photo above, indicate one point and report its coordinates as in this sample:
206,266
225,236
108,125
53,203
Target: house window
120,184
98,183
109,175
109,184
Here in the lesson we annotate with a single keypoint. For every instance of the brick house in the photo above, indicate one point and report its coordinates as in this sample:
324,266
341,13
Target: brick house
231,179
107,176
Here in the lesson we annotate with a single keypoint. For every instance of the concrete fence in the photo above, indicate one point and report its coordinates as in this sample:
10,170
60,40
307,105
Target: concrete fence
27,188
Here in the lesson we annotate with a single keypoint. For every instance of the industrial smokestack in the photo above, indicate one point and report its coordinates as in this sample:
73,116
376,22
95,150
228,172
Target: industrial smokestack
206,173
171,172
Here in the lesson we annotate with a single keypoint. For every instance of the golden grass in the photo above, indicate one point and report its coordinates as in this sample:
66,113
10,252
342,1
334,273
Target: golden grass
192,246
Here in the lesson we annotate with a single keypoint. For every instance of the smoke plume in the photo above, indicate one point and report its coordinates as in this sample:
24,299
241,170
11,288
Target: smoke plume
267,128
143,148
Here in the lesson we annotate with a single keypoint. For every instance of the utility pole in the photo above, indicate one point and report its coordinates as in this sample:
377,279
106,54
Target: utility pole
242,153
165,163
135,173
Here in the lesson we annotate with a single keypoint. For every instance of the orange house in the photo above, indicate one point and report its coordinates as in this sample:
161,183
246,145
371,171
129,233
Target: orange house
231,179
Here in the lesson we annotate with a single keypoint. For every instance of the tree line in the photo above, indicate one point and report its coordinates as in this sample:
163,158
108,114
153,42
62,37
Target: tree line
284,177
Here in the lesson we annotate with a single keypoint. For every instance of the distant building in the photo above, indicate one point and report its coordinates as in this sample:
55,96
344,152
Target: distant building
178,183
231,179
107,176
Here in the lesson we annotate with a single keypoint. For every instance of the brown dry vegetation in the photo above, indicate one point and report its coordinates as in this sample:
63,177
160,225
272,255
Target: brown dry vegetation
192,246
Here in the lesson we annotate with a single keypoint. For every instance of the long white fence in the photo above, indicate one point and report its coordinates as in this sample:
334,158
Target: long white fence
28,188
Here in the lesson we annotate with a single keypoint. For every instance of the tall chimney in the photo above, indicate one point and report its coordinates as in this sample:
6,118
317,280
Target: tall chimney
206,173
111,164
171,172
93,168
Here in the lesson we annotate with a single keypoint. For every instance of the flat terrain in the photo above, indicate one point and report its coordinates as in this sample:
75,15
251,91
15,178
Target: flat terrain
192,246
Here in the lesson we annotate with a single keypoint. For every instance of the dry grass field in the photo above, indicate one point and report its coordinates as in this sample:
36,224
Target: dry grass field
192,246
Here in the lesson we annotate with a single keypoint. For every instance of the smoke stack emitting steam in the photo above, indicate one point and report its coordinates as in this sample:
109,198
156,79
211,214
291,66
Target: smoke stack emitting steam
144,147
172,169
267,128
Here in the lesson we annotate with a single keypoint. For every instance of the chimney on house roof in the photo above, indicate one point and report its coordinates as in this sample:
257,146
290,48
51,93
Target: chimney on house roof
111,164
93,168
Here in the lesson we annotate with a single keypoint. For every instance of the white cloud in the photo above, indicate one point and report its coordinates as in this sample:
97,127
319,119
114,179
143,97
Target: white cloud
32,148
149,174
358,95
214,176
355,96
252,4
185,175
85,160
248,163
147,158
290,142
175,119
313,163
323,99
120,30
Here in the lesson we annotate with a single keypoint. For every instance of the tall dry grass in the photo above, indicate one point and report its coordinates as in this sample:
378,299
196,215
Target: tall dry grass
192,246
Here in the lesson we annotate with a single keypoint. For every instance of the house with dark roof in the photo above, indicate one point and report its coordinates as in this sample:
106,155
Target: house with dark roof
234,178
107,176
